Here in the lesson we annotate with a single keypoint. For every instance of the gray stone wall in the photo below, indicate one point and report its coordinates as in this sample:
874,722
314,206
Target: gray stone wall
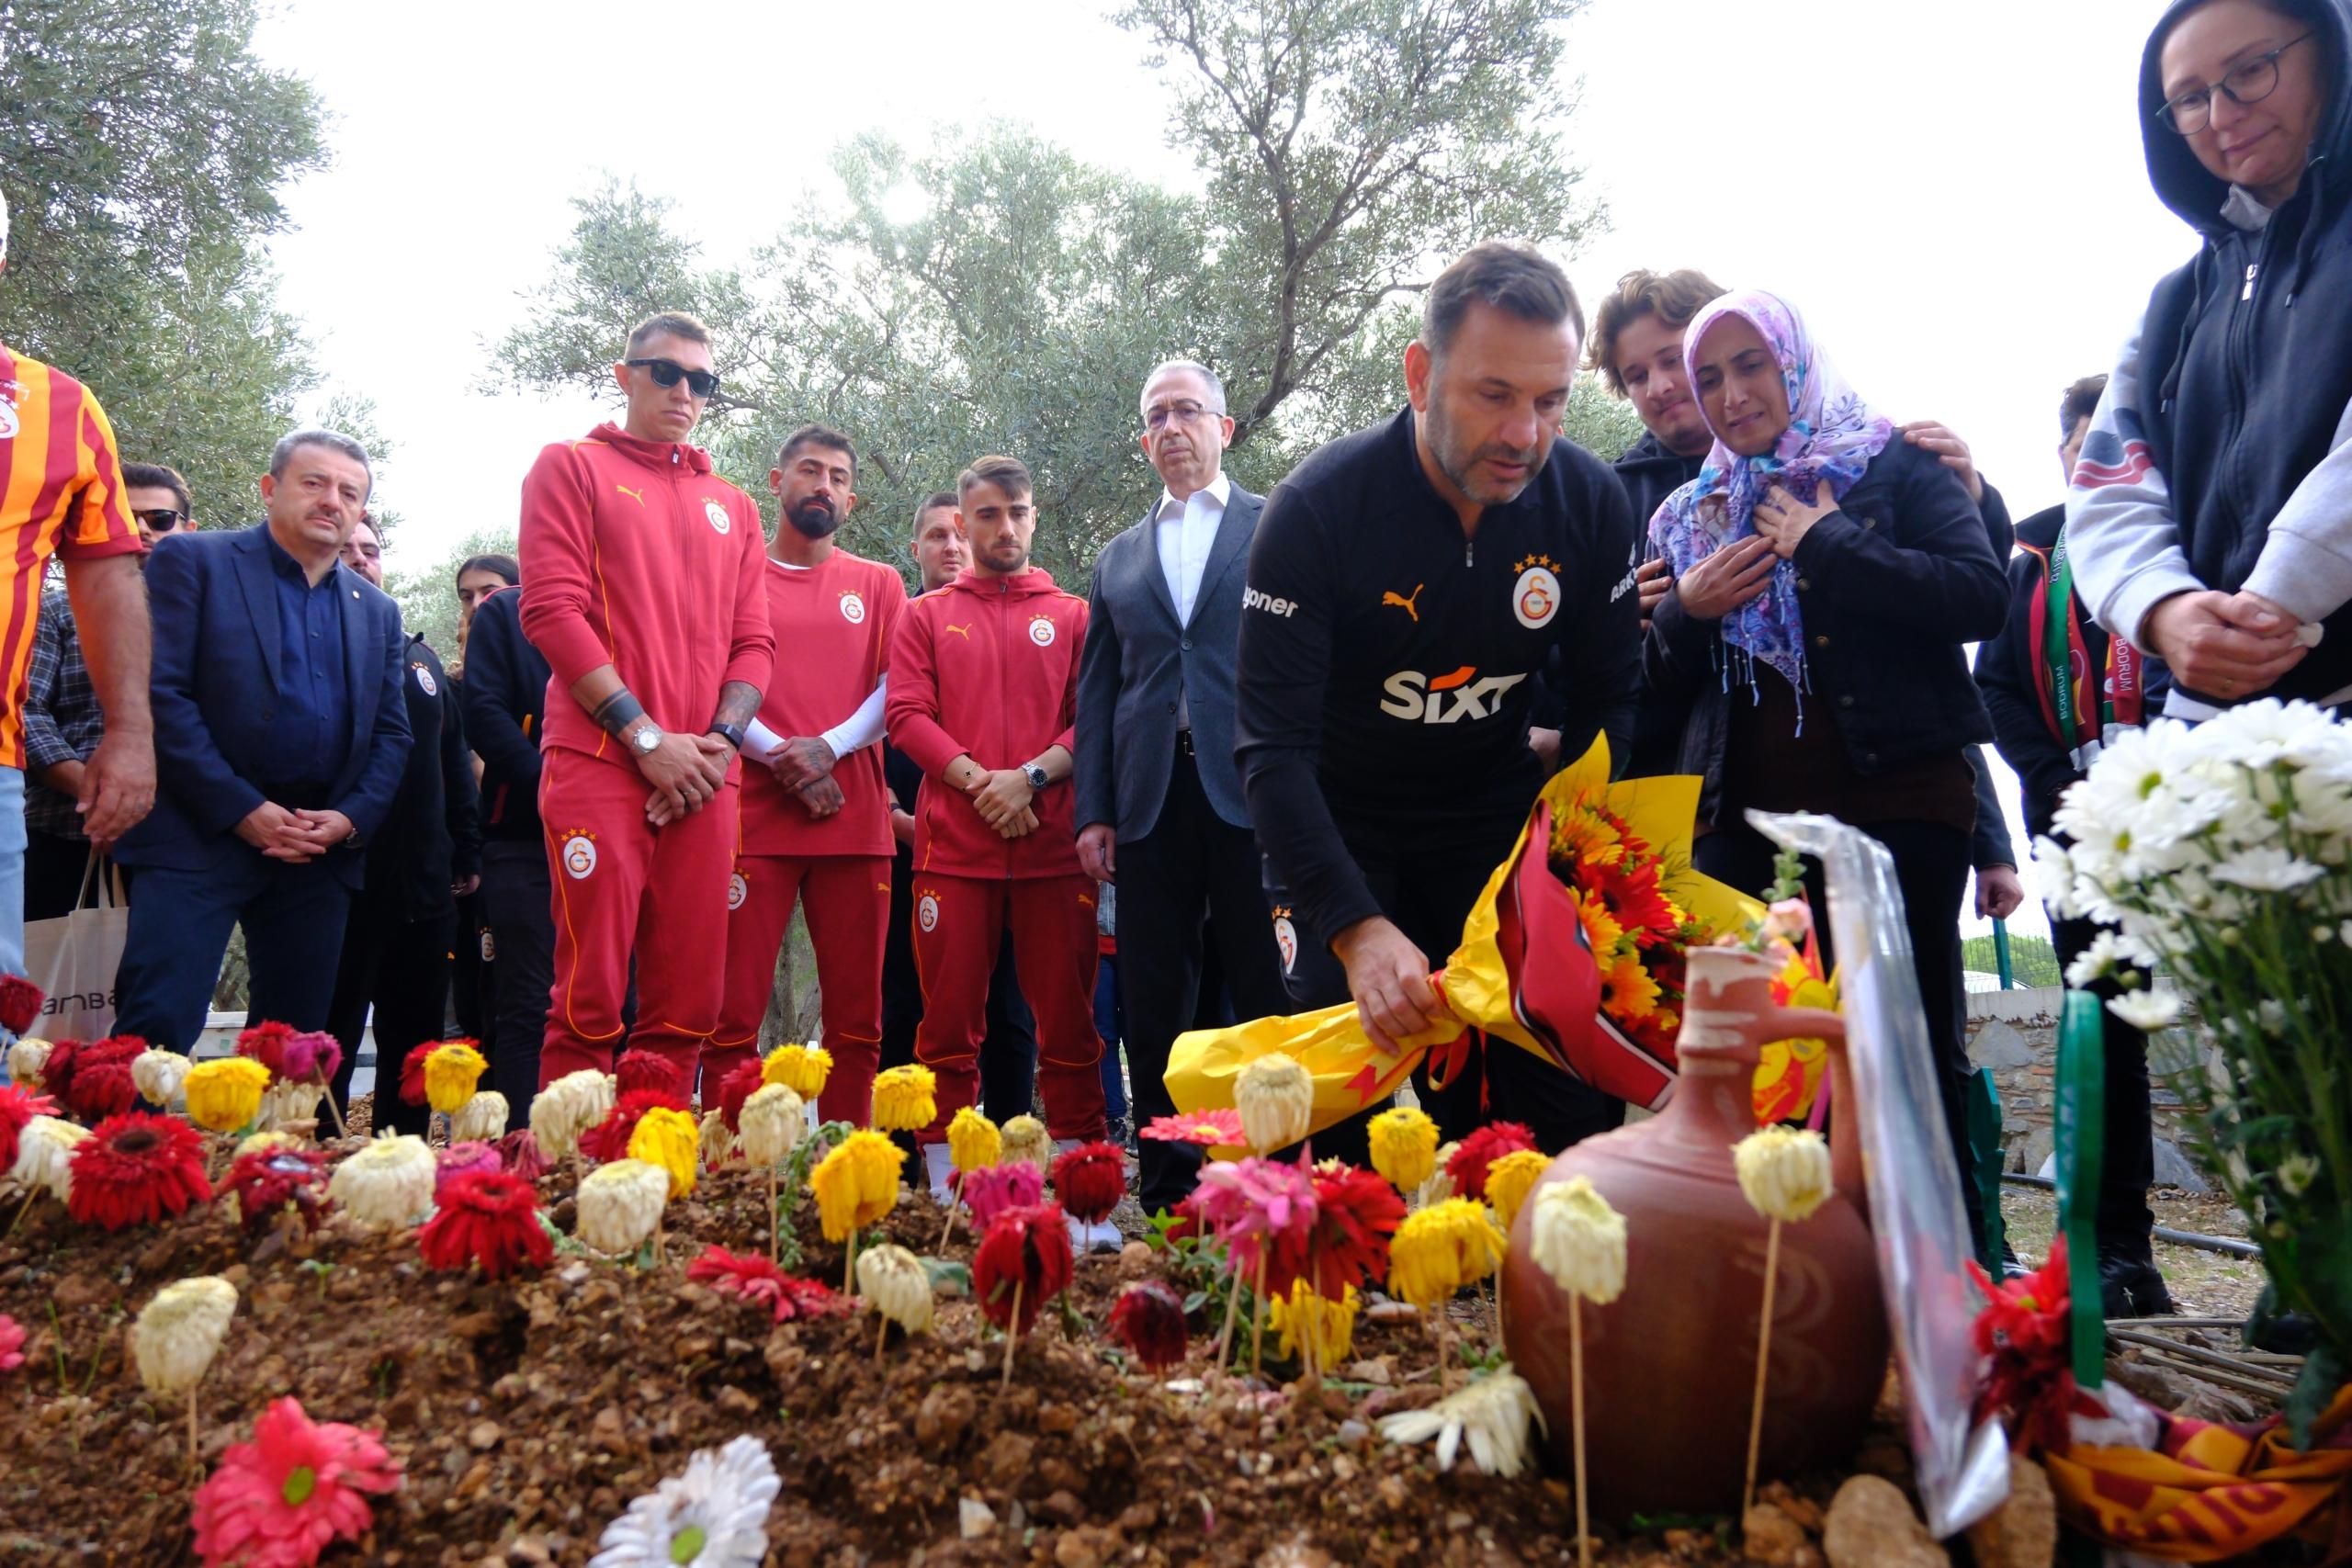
2014,1035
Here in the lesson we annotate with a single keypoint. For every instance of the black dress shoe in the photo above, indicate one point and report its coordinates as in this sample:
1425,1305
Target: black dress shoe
2131,1286
2282,1334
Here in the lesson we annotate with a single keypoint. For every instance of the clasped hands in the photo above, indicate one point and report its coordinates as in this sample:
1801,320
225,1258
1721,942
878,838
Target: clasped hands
1003,799
293,836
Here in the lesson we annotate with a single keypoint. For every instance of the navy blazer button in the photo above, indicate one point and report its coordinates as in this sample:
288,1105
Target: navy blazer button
1187,645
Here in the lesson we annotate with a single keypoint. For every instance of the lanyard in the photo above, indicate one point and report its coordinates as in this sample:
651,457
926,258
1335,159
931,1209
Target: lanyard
2064,661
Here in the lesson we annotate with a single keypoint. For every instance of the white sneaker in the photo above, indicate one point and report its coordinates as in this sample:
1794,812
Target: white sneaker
1085,1238
939,1164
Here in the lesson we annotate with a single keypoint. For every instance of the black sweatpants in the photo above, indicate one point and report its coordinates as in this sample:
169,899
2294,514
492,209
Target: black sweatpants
2124,1219
518,910
400,967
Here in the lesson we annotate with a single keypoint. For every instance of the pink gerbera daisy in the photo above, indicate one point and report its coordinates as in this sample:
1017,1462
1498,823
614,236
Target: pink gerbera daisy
1209,1129
280,1500
1252,1202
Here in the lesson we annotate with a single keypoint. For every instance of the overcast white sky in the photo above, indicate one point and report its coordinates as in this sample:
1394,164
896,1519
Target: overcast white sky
1954,195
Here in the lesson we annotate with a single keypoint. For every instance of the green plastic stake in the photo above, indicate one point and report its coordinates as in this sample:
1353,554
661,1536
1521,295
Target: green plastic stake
1984,1144
2001,960
2082,1142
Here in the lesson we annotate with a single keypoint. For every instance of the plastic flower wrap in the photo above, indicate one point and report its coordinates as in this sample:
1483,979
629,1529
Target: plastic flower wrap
178,1333
1467,1165
894,1279
1276,1098
1090,1179
803,1069
1509,1180
993,1188
463,1159
488,1218
299,1486
1491,1414
714,1516
1404,1146
752,1277
135,1169
481,1118
905,1099
386,1182
1025,1139
609,1139
670,1139
1212,1129
640,1069
225,1095
267,1182
158,1076
973,1140
569,1107
774,1119
1302,1317
1439,1250
45,1156
1578,1240
856,1183
1783,1173
1149,1319
620,1204
1027,1249
451,1071
18,1106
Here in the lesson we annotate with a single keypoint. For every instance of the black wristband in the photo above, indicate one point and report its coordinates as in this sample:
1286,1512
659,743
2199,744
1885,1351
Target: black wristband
618,712
730,733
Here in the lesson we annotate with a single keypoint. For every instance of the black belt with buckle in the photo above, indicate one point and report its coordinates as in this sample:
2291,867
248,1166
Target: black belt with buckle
1185,743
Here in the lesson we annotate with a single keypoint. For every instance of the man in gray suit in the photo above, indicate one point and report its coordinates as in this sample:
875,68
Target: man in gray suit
1157,792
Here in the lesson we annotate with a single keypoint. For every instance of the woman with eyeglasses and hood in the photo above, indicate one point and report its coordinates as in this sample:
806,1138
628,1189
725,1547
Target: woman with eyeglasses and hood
2210,517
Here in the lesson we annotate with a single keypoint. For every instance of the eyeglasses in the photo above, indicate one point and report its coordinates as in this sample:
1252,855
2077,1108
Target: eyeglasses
160,521
2248,83
666,372
1186,412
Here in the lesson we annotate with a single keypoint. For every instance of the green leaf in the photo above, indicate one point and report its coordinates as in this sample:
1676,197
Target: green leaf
947,1276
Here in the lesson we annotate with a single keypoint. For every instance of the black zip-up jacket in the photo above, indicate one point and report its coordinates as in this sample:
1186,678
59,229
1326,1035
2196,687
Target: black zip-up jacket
2245,354
1650,473
1385,659
432,836
505,695
1892,583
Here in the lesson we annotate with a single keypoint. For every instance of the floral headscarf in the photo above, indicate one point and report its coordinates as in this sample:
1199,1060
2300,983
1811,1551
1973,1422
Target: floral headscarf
1831,438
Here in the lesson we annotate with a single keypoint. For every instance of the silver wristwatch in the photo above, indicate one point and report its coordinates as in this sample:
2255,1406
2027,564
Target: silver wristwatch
646,742
1034,774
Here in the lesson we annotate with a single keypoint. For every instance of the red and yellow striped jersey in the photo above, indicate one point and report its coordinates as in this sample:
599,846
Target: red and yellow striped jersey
61,493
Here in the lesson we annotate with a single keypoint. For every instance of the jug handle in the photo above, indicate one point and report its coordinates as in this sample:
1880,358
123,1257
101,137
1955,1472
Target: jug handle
1845,1134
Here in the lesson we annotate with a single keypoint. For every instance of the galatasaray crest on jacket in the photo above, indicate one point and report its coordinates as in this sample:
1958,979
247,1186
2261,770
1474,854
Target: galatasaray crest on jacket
424,680
853,607
737,891
716,512
1041,630
579,856
1285,939
927,912
1535,597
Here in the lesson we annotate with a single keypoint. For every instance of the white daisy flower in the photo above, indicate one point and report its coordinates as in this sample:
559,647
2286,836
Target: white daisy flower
2147,1010
2296,1173
2097,962
2267,869
2270,1013
1492,1413
715,1516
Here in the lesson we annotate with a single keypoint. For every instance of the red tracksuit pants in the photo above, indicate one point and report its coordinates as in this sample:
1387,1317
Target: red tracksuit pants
623,887
847,898
958,923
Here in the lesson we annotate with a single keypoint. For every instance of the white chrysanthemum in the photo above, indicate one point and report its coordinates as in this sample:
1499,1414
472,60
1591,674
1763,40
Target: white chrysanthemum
388,1182
179,1332
1578,1240
2147,1010
2267,869
1783,1171
481,1118
1493,1413
1275,1095
619,1205
772,1119
44,1153
894,1279
569,1107
158,1075
288,1101
715,1516
716,1142
2296,1173
26,1057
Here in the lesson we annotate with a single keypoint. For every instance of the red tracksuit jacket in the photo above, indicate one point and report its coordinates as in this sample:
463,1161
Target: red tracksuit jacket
636,555
988,666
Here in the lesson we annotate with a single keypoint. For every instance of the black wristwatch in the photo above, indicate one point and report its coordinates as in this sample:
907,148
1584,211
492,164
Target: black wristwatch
730,733
1035,775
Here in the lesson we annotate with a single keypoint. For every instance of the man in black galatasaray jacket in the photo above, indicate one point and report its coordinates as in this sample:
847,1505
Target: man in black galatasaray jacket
1406,584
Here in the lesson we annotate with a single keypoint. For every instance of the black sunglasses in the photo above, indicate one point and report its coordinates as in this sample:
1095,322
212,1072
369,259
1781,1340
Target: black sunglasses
162,520
665,373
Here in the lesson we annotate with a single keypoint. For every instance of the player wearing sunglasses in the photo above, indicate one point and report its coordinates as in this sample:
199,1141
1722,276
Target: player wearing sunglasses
643,585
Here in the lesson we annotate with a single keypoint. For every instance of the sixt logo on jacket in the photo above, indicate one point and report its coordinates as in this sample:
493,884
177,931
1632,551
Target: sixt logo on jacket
1446,699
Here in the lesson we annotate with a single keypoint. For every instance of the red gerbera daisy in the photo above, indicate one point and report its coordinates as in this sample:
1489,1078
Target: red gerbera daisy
269,1182
735,1089
520,1150
280,1500
18,1105
1149,1319
135,1169
21,1003
2024,1329
1024,1248
642,1069
753,1278
57,1073
1208,1129
265,1044
1347,1242
1090,1179
413,1072
490,1218
1467,1168
608,1140
101,1090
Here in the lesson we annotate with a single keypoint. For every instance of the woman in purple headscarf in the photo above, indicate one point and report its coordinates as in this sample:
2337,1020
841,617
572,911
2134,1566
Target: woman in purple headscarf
1826,575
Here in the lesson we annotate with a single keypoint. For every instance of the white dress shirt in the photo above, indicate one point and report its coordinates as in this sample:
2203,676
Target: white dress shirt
1186,531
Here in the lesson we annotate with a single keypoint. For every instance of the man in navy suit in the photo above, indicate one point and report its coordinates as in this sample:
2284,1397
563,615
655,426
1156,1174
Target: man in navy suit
281,736
1157,792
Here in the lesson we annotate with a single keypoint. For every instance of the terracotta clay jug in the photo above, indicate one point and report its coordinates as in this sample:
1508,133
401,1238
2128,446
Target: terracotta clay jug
1669,1366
